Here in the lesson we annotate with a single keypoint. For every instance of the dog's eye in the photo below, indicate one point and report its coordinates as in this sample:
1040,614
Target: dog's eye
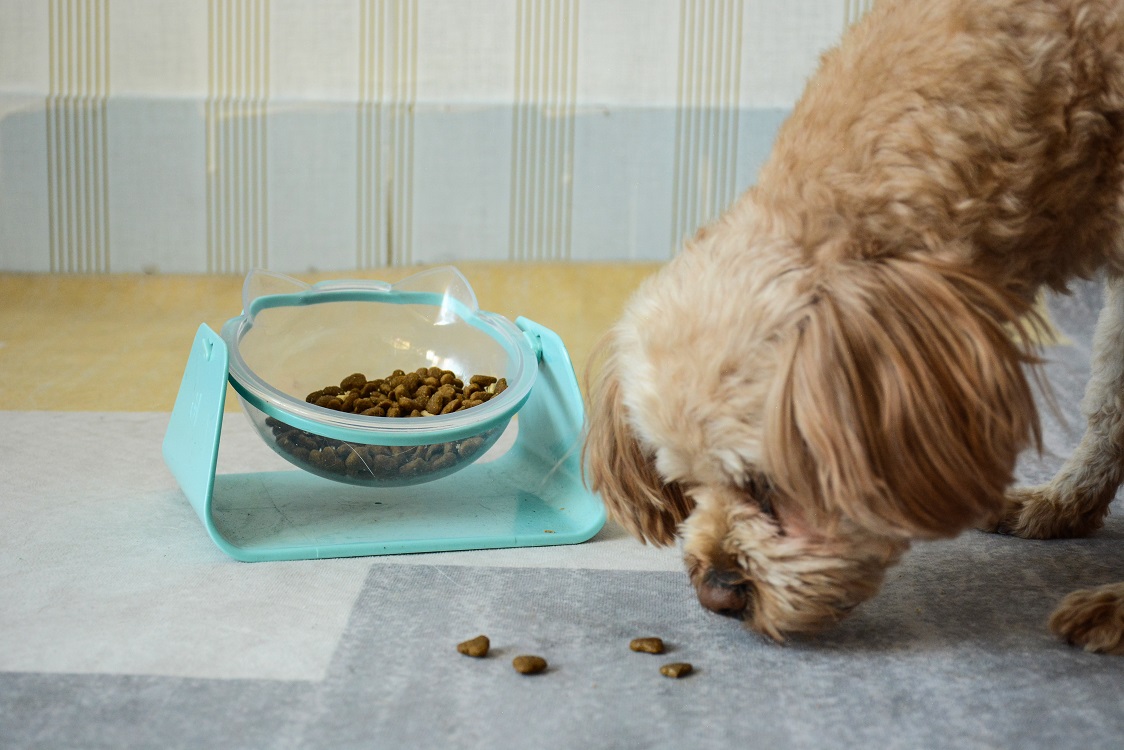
765,502
760,491
757,484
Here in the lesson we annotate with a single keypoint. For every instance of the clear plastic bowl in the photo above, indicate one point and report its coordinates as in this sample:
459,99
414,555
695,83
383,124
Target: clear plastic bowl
293,339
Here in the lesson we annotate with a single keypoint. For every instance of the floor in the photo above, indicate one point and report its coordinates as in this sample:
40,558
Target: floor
123,625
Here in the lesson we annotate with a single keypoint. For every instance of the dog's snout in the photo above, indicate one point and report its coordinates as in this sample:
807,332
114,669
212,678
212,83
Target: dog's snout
724,593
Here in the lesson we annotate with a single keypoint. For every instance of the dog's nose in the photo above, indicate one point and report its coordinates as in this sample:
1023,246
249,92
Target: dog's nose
724,594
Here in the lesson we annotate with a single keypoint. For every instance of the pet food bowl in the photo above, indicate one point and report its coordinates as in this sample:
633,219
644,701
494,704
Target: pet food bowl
382,484
289,344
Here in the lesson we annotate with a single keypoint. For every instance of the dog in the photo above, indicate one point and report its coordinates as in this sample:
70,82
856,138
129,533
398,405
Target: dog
845,360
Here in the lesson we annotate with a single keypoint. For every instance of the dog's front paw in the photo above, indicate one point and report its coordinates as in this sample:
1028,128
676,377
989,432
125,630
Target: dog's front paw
1092,619
1042,513
1029,513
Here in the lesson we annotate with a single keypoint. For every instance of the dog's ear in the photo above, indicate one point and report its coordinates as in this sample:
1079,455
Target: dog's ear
904,404
619,469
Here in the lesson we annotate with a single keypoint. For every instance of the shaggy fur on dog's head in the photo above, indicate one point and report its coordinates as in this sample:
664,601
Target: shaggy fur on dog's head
836,366
799,423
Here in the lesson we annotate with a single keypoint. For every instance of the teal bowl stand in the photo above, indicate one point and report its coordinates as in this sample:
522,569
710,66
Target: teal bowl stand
532,495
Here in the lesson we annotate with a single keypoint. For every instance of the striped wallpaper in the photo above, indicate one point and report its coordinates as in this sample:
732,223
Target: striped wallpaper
388,48
237,94
298,135
77,168
853,10
542,144
706,122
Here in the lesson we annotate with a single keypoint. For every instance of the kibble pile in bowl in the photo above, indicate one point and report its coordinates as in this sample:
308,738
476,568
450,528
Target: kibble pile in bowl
426,392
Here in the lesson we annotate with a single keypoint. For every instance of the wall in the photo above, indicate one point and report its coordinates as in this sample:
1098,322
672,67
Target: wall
221,135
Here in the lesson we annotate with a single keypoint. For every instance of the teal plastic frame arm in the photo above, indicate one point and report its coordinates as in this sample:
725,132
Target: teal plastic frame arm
533,494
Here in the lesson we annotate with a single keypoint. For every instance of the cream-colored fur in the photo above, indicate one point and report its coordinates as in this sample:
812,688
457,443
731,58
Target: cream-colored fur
838,365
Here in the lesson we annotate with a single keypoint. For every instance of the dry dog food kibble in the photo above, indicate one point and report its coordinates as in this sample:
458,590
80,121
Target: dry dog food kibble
476,647
422,393
647,645
425,392
528,664
676,670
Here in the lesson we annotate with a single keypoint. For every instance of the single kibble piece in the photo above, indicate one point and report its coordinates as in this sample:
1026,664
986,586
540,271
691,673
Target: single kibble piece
354,381
676,670
528,664
647,645
476,647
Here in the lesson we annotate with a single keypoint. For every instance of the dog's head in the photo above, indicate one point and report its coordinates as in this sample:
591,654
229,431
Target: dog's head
797,423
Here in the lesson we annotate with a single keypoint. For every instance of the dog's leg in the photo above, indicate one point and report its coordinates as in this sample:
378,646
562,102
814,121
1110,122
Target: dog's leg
1092,619
1075,502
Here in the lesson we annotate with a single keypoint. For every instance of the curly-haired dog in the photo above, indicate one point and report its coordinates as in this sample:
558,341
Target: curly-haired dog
839,364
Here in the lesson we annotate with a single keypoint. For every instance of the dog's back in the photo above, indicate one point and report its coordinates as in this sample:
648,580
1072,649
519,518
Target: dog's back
991,129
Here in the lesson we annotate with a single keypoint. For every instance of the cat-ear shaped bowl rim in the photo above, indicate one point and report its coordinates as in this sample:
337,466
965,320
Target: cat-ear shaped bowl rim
457,306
